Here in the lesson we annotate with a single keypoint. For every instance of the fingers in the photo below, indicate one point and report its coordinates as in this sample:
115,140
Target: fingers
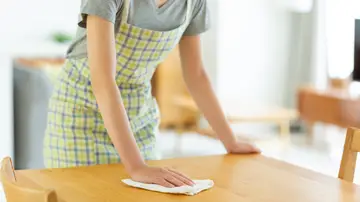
245,148
165,183
257,150
181,177
174,180
164,177
253,149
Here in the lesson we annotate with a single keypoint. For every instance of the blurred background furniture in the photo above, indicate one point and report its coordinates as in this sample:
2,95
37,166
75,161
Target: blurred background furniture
349,157
15,192
237,113
333,105
32,86
167,84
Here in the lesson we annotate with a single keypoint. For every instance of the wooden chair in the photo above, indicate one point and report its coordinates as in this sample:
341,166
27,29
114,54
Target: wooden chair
17,193
351,148
277,115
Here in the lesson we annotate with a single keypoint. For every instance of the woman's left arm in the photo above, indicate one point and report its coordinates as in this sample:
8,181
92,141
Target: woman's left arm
201,90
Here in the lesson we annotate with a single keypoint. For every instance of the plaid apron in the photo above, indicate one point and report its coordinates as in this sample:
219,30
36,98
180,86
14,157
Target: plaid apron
75,134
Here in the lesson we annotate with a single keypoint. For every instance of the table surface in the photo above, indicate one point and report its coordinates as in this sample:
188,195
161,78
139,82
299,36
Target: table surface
245,178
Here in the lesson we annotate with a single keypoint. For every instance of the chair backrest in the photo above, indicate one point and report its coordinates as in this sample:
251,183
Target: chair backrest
351,148
18,193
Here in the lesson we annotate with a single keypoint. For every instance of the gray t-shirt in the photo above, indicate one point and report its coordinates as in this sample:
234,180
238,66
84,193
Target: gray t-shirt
144,14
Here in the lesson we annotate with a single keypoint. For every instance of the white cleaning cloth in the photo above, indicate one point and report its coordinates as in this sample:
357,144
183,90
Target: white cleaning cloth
200,185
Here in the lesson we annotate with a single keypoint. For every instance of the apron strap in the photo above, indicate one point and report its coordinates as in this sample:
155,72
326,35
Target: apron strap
125,11
188,12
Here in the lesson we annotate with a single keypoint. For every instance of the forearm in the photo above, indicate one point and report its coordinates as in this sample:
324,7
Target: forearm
201,90
116,121
102,62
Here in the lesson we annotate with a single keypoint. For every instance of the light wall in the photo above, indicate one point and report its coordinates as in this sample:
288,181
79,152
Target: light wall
340,36
26,27
210,44
37,19
252,50
246,52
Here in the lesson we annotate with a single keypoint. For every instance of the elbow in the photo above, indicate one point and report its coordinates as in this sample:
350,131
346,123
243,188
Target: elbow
201,73
100,82
198,75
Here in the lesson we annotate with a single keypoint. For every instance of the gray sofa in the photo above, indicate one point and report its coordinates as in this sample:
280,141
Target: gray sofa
32,89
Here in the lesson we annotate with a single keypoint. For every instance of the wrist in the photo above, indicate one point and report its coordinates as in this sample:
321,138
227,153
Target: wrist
228,139
229,144
135,167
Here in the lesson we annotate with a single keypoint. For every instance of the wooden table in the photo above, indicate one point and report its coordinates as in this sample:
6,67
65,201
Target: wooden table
247,178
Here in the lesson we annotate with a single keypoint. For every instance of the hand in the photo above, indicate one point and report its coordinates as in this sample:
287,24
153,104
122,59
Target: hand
162,176
242,148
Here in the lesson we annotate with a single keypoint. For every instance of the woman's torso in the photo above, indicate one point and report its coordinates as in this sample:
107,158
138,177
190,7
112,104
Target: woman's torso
144,14
139,51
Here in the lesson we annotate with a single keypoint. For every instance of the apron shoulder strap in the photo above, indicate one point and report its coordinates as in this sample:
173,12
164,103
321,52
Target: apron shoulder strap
125,11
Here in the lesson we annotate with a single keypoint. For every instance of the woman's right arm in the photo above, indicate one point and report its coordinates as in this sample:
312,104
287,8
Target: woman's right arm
102,61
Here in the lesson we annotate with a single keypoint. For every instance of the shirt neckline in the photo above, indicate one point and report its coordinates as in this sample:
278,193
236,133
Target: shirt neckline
162,8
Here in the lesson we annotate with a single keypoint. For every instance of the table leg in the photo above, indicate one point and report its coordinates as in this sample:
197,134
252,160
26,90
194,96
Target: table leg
285,128
179,133
309,128
309,131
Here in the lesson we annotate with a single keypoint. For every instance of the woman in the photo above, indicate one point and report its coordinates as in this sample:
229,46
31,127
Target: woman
102,109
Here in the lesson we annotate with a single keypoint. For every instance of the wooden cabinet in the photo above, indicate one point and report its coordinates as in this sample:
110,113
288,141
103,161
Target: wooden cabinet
168,84
330,106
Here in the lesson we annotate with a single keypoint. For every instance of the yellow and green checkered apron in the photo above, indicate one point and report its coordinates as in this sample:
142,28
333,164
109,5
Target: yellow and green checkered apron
75,134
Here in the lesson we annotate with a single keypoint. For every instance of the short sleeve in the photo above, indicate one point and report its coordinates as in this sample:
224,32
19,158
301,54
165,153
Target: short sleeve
105,9
200,19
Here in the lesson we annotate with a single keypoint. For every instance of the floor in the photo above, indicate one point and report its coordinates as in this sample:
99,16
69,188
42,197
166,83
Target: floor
321,153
